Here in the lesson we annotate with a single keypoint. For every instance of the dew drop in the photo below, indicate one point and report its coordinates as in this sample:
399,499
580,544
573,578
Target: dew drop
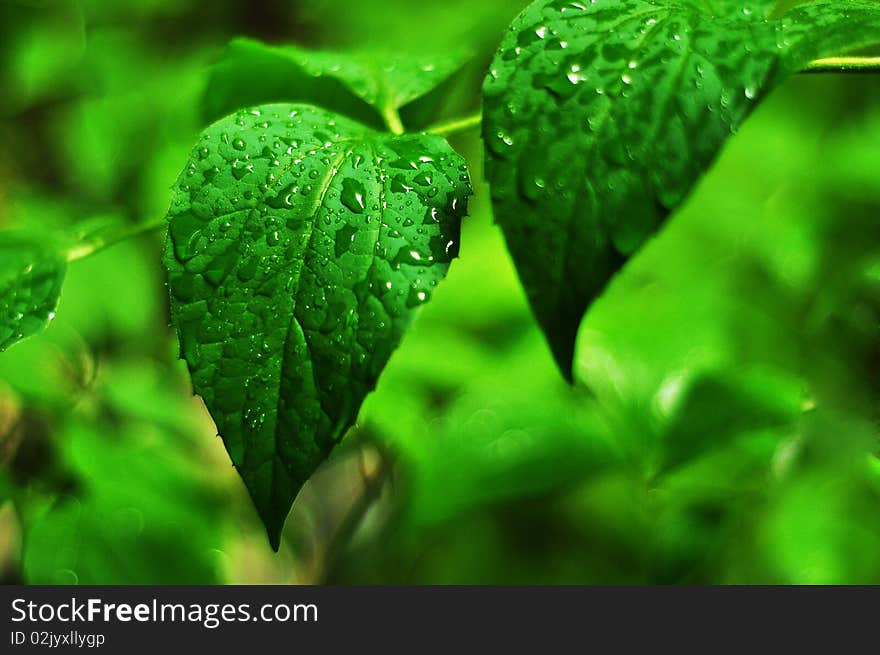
344,238
240,169
423,179
353,194
416,297
575,76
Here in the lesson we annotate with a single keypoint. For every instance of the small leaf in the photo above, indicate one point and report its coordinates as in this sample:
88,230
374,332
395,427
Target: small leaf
600,117
31,274
300,243
358,84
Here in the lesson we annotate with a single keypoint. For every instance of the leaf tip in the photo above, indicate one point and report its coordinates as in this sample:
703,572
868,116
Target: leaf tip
563,353
560,328
274,538
273,522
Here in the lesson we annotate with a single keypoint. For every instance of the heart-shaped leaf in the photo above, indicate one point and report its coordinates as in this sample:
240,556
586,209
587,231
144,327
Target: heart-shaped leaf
601,115
300,244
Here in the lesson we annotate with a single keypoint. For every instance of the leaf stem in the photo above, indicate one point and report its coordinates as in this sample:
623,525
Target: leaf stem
392,119
456,125
102,241
844,65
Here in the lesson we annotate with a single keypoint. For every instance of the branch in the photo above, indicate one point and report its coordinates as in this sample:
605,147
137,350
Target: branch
101,241
456,125
844,65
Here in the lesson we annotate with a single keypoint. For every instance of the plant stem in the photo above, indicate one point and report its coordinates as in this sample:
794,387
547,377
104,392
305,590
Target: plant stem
456,125
844,65
392,119
101,241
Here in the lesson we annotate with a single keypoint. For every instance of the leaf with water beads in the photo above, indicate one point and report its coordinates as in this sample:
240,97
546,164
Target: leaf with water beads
32,271
299,245
600,116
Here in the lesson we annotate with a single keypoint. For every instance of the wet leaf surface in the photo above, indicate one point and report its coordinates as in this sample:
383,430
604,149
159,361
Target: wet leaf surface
31,275
600,116
300,244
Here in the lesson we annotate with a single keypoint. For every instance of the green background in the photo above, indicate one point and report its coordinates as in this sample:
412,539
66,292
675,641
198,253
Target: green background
724,424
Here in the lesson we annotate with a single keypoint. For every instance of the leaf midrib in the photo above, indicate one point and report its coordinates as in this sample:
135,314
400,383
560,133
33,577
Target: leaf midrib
310,219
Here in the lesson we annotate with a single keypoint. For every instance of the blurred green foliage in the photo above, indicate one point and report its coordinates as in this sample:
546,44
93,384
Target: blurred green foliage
724,427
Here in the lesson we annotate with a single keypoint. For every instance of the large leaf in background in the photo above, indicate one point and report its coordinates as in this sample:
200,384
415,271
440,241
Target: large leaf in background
300,244
31,273
601,116
361,85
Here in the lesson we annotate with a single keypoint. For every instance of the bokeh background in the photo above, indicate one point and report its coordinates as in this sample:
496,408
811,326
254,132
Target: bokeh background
723,429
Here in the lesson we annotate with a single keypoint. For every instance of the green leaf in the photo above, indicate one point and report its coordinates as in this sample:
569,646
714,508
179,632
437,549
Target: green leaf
361,85
600,117
300,244
31,274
